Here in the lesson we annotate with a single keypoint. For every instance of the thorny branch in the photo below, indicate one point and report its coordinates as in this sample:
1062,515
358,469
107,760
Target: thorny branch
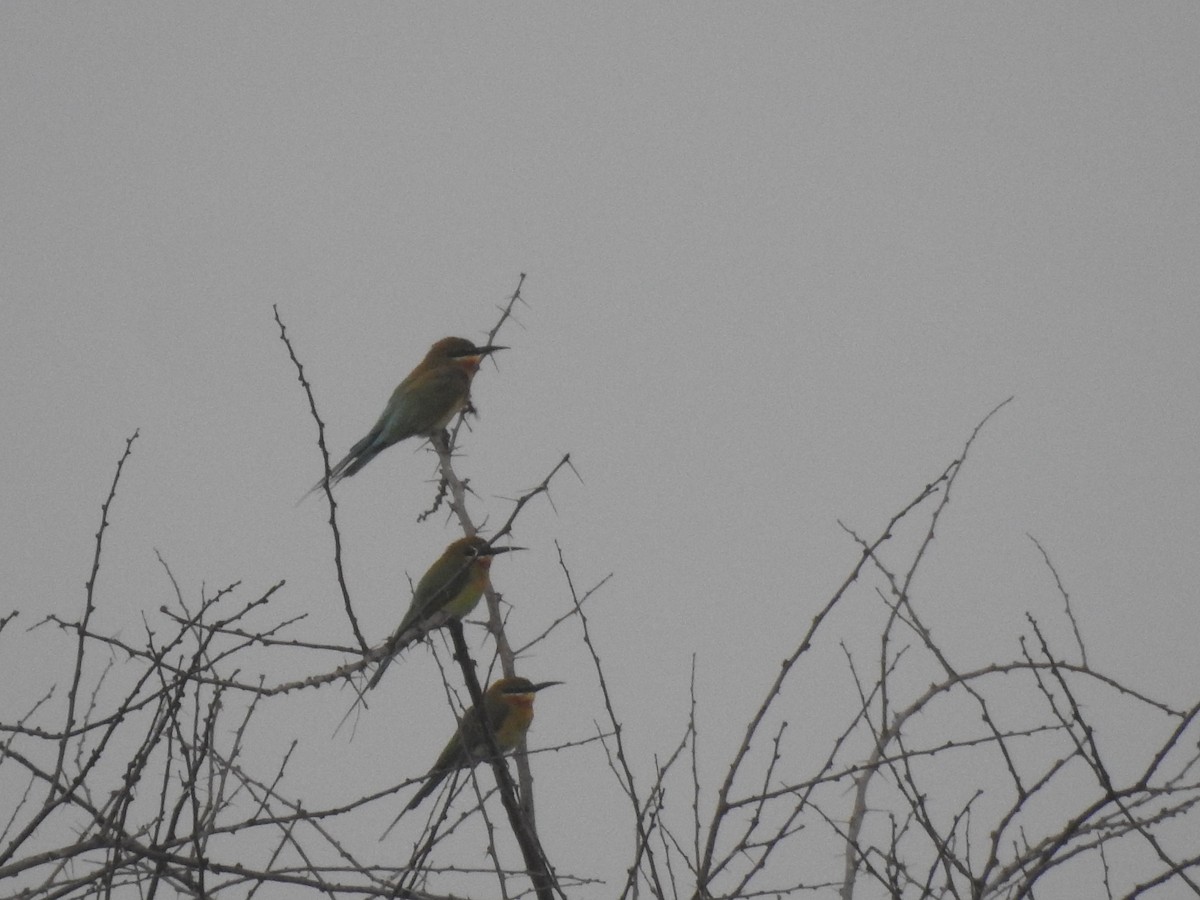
152,776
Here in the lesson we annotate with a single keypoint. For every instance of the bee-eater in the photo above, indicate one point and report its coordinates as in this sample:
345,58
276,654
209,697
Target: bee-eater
508,710
449,590
422,404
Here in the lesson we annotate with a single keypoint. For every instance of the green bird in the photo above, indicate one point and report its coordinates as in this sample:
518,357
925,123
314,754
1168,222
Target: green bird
508,706
422,404
450,590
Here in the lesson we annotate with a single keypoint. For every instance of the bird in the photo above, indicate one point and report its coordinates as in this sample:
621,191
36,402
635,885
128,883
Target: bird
422,404
508,706
449,590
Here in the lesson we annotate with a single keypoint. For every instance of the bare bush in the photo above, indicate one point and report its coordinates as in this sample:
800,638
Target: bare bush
145,777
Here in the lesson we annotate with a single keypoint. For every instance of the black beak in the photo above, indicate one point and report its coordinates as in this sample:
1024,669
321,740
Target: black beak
485,351
493,551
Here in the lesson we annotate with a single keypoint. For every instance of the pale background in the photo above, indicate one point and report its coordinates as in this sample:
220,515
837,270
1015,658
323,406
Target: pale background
781,259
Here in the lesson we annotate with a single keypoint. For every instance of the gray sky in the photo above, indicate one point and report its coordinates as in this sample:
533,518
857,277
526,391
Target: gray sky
781,260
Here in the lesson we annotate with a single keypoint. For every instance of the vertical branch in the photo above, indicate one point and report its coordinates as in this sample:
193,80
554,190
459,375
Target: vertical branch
89,607
443,445
458,505
506,313
536,864
643,836
1066,599
333,525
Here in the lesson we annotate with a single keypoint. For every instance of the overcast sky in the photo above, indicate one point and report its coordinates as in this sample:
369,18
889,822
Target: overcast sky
781,260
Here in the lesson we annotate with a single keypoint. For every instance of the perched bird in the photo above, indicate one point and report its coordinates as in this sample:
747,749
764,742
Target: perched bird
422,404
508,710
449,590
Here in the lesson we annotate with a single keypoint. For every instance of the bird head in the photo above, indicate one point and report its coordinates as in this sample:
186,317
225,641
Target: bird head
459,351
518,688
477,549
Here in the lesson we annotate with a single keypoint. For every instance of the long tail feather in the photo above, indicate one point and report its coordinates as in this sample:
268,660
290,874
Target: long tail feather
360,454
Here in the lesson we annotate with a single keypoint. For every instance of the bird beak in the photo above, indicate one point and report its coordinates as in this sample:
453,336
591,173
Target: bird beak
492,551
544,684
485,351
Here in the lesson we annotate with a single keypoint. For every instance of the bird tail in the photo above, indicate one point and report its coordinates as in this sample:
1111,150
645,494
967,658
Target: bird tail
360,454
393,647
430,785
404,637
383,664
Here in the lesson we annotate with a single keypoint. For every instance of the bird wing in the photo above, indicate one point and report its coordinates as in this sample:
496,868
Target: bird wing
432,594
405,636
422,403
